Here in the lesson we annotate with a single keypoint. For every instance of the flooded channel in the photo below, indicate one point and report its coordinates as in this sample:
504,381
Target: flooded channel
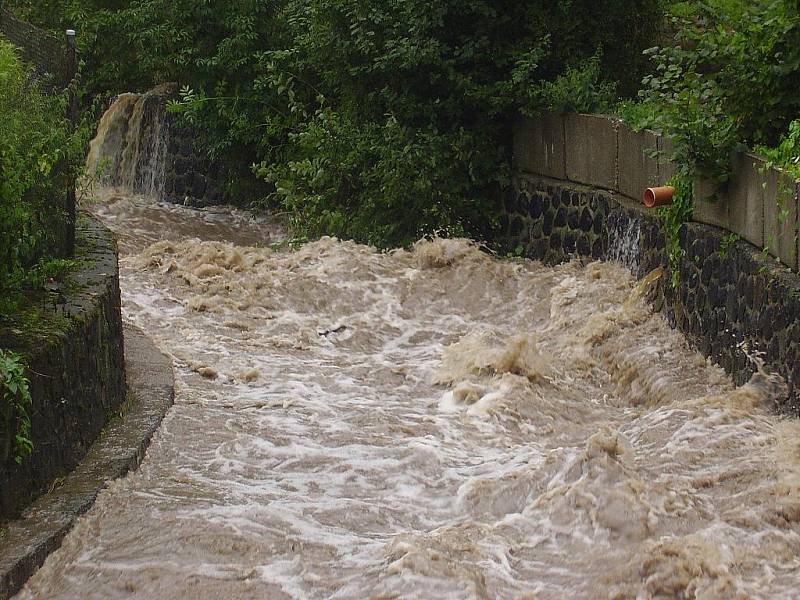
431,423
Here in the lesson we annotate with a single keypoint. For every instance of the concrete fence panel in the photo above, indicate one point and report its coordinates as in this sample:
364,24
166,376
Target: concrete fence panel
745,198
710,206
638,162
539,145
666,168
780,216
758,204
591,150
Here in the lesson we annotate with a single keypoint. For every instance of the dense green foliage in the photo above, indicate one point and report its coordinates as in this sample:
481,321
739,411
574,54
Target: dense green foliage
728,82
386,121
373,120
37,151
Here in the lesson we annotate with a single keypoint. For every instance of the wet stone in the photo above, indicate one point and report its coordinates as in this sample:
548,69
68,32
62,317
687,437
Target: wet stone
547,223
598,248
583,246
537,207
517,225
537,230
561,218
586,221
573,220
556,241
569,242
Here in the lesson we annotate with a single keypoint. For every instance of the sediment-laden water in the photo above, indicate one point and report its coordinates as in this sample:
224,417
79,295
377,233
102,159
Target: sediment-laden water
432,423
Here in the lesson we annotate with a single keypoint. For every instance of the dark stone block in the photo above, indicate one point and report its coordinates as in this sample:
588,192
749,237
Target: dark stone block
599,204
574,219
561,218
570,239
598,248
583,246
586,220
524,203
517,225
547,223
601,225
537,249
536,207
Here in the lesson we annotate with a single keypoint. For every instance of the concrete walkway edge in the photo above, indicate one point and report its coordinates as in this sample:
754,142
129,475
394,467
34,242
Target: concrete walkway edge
121,447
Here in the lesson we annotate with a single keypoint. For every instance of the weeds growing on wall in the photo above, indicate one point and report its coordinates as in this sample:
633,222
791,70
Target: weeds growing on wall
726,83
15,406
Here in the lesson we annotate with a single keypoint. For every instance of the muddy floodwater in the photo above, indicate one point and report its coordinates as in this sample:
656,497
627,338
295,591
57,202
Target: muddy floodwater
430,423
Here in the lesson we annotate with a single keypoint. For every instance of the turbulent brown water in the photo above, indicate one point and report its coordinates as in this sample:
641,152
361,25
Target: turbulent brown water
432,423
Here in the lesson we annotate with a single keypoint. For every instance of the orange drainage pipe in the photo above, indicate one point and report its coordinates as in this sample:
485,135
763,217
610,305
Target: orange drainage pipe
658,196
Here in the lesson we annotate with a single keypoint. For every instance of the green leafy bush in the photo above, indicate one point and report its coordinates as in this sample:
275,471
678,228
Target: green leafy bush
729,81
581,89
386,121
786,154
37,151
725,83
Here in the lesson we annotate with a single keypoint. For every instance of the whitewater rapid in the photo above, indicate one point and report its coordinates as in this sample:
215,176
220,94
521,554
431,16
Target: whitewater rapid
430,423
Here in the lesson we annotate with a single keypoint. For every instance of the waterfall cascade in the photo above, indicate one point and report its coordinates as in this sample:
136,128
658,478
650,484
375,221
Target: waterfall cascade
130,148
140,148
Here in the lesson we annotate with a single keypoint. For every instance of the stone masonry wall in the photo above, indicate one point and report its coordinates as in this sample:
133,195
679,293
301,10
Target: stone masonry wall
729,292
188,179
77,374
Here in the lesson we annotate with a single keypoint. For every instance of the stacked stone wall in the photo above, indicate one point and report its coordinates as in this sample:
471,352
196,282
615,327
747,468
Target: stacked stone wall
189,179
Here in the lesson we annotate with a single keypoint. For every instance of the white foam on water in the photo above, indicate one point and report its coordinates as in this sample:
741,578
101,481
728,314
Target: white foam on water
426,423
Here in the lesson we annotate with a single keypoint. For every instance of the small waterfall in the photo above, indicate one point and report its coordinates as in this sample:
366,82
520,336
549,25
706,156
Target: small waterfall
130,148
624,242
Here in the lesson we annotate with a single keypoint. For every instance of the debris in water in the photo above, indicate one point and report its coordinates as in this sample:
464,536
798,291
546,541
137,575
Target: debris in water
208,372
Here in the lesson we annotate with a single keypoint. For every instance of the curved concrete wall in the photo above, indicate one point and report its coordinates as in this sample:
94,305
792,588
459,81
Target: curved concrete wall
76,372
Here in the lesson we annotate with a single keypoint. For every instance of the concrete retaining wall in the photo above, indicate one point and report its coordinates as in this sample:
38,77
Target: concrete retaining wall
76,370
759,204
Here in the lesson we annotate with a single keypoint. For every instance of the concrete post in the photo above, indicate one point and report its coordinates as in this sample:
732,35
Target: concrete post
71,67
